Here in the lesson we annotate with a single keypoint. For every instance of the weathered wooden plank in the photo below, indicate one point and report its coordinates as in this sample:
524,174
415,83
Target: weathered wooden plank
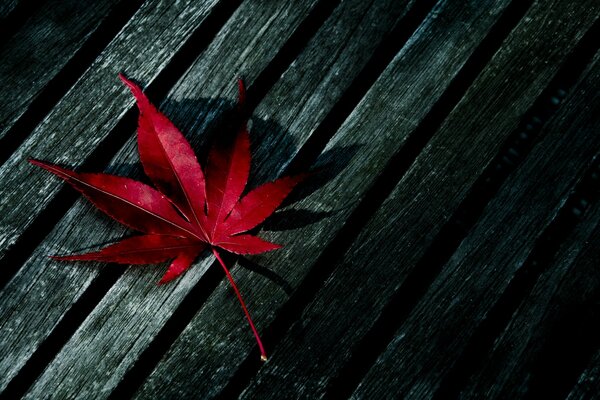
588,384
437,330
7,6
40,49
222,61
215,340
79,123
56,287
88,112
98,347
352,299
561,300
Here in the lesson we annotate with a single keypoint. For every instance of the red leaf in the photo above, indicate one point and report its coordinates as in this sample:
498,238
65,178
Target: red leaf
247,244
226,176
257,205
168,159
170,163
130,202
180,264
241,95
145,249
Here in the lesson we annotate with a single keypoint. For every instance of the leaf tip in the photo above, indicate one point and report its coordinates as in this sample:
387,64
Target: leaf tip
124,79
135,89
167,277
45,165
35,162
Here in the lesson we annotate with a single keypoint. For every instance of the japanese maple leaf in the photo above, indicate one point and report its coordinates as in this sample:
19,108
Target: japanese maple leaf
190,209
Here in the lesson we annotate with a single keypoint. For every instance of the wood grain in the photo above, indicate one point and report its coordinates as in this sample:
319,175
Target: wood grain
7,7
354,49
39,50
91,109
322,340
376,97
587,384
407,90
437,330
197,101
538,347
79,123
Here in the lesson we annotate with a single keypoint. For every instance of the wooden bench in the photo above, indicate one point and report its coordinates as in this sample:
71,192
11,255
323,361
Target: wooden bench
447,244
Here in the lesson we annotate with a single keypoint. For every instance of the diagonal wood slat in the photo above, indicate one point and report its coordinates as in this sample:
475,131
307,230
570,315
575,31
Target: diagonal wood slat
78,123
446,245
84,117
41,48
486,261
95,338
7,7
560,305
225,58
216,329
587,384
397,237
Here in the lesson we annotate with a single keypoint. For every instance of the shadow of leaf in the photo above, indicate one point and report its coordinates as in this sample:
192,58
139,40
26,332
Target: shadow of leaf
205,122
267,273
294,219
327,166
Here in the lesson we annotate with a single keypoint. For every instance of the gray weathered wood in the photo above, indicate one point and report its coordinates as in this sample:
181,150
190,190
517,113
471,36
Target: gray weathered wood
93,106
588,384
437,330
321,341
568,285
97,348
213,348
7,6
78,123
40,49
215,340
35,288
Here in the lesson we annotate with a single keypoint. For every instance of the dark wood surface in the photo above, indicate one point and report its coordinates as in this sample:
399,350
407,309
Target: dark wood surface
445,247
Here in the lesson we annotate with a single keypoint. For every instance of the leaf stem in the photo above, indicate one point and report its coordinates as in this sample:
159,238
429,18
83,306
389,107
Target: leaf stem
263,354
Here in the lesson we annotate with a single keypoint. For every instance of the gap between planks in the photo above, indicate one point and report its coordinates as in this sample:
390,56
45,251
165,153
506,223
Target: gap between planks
385,182
294,354
498,247
498,318
207,20
294,18
88,139
385,51
204,379
34,89
266,150
536,365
